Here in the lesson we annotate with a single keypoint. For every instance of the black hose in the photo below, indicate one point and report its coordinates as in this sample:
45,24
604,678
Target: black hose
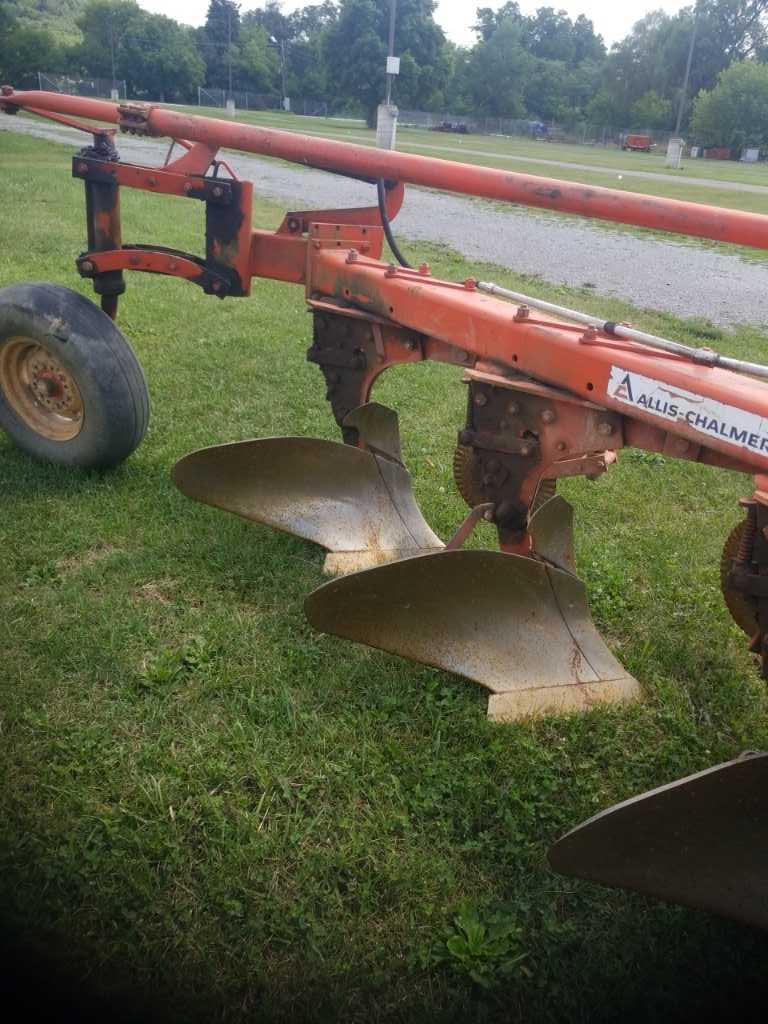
387,226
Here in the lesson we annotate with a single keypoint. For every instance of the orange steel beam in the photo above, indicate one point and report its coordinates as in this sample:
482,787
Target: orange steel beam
583,362
365,162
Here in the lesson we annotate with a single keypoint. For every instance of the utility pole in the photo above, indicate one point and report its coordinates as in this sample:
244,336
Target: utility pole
229,49
684,90
392,18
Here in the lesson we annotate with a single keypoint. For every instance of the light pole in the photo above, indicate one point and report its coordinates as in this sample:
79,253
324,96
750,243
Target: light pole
390,76
684,90
279,44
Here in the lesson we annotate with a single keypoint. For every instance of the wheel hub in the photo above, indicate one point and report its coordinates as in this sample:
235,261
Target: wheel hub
40,390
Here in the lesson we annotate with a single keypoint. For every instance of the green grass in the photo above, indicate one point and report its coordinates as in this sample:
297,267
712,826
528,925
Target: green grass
210,812
511,153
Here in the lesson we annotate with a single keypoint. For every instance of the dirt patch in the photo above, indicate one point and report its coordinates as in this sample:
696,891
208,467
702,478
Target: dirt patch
75,564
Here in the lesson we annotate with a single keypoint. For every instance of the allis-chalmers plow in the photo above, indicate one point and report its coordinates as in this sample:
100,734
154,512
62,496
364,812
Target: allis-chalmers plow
551,393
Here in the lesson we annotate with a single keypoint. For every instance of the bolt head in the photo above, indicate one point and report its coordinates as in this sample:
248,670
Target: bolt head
548,416
560,446
606,429
513,408
481,399
86,266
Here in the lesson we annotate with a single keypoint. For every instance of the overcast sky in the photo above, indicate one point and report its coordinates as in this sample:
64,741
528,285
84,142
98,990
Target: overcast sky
612,18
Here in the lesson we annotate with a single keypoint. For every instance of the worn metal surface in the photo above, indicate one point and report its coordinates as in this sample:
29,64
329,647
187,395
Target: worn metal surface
701,841
551,531
364,162
338,496
516,626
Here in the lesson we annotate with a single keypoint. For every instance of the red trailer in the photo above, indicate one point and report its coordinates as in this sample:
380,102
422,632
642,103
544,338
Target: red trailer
637,143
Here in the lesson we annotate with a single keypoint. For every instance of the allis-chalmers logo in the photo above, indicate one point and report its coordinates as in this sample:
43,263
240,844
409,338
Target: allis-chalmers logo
704,415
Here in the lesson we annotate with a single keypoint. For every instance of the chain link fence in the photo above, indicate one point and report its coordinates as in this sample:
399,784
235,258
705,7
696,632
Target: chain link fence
102,87
307,105
580,133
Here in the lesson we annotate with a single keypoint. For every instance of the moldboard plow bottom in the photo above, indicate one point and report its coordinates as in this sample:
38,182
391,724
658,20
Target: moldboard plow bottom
356,503
516,625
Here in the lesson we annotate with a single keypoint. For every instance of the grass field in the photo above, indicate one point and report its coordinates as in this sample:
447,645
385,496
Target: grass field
521,155
210,812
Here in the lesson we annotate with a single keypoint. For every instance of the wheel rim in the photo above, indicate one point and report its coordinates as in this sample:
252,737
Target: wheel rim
40,390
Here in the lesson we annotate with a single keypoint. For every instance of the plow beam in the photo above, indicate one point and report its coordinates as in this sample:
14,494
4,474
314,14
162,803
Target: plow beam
357,504
371,164
701,841
519,627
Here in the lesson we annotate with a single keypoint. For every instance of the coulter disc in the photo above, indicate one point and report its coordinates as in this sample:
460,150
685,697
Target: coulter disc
742,609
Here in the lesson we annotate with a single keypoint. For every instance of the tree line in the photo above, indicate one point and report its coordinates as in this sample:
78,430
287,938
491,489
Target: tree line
543,65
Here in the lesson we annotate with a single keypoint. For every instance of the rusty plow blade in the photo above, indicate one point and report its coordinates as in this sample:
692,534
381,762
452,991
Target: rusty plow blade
516,625
701,841
358,504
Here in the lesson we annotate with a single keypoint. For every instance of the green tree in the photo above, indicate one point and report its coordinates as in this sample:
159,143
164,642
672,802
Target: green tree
25,50
103,24
355,49
735,112
218,41
159,59
498,71
651,111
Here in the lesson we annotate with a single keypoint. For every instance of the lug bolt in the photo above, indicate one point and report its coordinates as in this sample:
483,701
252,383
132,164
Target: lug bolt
481,400
548,416
606,429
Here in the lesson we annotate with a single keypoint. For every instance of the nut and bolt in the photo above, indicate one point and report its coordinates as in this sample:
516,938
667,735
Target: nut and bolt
523,312
589,335
470,284
352,256
86,266
481,400
83,168
217,192
548,416
560,446
606,429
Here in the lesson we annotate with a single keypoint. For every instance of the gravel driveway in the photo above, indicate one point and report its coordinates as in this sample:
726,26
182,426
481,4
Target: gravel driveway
683,278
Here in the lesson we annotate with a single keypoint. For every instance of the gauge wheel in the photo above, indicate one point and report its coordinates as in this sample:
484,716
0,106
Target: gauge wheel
71,389
743,609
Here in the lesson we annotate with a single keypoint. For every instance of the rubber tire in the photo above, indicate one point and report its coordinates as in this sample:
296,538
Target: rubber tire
101,361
